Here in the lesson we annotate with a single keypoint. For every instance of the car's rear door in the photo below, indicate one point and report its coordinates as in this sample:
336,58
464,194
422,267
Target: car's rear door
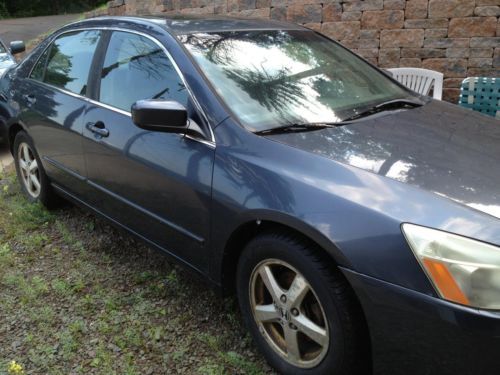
53,102
156,184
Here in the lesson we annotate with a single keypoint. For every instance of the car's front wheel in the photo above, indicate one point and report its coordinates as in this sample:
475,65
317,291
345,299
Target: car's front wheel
30,173
300,311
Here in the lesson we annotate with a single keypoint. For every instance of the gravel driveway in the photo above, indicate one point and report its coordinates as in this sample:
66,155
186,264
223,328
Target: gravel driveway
29,28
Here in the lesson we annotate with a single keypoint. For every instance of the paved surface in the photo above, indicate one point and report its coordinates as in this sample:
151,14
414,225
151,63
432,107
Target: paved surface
27,29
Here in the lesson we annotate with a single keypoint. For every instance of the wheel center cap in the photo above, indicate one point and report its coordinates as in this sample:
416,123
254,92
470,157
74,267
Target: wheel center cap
284,314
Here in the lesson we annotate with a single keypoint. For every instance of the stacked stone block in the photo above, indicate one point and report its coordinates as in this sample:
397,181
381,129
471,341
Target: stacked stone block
459,38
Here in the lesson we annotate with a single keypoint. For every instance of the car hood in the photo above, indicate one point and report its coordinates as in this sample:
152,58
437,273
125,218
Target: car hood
438,147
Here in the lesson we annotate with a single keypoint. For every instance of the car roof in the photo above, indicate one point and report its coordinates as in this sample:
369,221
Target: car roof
212,24
183,24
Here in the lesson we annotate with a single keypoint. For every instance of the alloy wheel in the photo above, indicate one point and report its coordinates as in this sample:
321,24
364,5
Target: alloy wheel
288,313
29,171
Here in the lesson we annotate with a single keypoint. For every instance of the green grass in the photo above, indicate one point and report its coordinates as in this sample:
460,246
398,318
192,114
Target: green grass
79,297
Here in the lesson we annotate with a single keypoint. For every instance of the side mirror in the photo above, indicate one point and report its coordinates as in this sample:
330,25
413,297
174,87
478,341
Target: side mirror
160,115
16,47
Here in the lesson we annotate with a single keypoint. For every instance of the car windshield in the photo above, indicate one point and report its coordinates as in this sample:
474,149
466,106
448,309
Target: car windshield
2,48
273,78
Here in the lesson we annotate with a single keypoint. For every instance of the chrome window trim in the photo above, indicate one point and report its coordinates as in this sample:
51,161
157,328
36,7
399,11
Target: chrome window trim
84,98
209,142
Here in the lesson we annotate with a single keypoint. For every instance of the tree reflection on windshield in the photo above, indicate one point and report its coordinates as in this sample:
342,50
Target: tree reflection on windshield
276,77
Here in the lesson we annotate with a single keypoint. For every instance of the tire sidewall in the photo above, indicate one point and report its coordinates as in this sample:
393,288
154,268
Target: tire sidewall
269,248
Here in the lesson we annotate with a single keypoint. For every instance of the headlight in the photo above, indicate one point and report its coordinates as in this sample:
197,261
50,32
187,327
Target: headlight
462,270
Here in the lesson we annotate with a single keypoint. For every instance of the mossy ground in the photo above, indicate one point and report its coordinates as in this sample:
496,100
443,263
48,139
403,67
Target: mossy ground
79,297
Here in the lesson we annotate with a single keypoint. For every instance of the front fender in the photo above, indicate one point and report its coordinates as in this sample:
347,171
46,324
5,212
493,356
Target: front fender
338,207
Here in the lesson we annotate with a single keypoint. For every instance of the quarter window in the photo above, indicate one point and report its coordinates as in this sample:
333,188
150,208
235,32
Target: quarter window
69,61
39,69
137,68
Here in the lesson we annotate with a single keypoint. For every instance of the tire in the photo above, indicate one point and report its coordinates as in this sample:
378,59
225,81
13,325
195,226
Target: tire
342,331
44,193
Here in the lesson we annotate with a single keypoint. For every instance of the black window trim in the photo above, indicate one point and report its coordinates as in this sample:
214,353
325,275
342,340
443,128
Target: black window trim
48,50
91,80
95,66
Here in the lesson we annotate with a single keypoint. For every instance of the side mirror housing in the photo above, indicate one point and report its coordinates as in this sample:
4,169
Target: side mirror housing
16,47
160,115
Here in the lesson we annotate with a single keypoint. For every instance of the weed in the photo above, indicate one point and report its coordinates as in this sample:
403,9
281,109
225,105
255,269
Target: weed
78,298
212,369
35,240
6,257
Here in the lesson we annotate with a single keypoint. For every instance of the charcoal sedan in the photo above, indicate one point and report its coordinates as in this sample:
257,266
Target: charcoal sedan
357,222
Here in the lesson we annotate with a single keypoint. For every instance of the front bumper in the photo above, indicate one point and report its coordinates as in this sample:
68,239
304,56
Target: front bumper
413,333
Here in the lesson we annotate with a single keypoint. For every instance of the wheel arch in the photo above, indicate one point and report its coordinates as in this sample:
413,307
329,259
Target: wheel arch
3,110
251,228
13,129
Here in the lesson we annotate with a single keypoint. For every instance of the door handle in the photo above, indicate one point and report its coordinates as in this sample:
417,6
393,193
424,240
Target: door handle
98,128
29,99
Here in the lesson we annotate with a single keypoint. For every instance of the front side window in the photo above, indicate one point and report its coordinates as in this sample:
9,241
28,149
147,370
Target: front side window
68,62
137,68
274,78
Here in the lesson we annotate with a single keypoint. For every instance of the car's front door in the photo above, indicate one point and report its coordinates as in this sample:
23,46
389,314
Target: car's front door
156,184
53,102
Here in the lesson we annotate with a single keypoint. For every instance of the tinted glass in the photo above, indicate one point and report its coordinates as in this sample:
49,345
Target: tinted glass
70,59
39,69
274,78
136,68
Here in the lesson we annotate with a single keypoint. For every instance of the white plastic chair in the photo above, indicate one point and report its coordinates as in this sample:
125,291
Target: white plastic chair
420,80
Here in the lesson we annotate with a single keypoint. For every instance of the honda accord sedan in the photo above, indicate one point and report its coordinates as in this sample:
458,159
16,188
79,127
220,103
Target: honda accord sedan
357,222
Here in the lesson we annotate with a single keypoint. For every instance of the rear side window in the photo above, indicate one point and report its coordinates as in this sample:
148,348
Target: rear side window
137,68
68,62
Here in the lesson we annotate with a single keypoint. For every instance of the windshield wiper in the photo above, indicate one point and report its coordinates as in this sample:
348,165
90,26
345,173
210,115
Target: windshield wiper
295,128
385,106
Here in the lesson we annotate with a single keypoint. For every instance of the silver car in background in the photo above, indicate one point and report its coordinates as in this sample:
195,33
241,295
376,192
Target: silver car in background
6,54
8,60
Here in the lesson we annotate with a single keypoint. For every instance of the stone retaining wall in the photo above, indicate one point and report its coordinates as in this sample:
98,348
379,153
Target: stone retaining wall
460,38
